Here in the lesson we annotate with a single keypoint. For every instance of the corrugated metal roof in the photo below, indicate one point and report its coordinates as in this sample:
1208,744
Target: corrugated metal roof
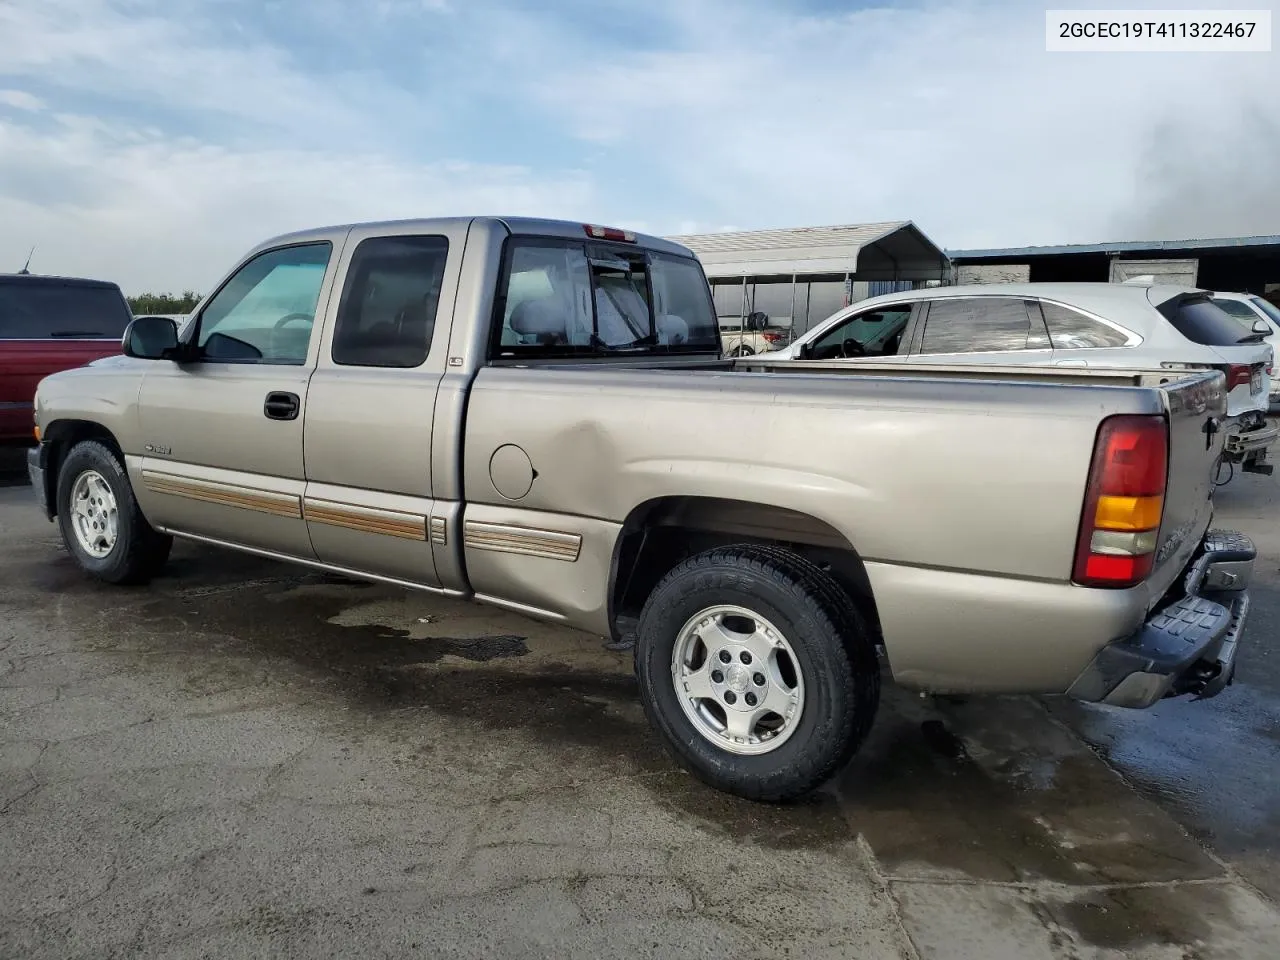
894,249
851,236
1125,246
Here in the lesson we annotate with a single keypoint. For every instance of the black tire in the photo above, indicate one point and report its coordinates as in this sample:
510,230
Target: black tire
834,649
139,551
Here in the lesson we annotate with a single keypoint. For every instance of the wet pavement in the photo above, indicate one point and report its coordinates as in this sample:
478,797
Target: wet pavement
246,759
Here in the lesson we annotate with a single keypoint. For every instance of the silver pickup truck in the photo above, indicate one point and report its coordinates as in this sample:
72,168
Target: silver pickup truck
536,414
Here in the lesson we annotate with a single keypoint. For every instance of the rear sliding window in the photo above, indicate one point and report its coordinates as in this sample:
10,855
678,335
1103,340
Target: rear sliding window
565,298
1202,321
40,310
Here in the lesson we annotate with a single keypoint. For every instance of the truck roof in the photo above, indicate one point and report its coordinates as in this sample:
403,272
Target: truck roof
36,279
535,226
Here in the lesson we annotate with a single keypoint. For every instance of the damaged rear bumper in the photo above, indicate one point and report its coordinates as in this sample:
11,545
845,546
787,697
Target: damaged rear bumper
1188,646
1250,443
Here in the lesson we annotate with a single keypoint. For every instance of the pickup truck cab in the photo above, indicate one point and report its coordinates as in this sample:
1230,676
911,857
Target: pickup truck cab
536,414
49,324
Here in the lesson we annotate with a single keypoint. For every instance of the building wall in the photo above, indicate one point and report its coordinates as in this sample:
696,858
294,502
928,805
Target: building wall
1180,272
993,273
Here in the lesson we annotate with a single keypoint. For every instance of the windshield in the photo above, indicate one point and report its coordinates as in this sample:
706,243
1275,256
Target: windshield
572,299
40,310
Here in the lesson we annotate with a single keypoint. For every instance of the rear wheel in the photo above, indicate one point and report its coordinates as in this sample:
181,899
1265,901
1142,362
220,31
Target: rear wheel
100,521
757,671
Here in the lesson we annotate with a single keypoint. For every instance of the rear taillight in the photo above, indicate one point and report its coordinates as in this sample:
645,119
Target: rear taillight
772,337
1238,375
1123,502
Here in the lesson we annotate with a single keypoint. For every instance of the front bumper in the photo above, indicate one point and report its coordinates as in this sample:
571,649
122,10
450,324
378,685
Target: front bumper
1186,647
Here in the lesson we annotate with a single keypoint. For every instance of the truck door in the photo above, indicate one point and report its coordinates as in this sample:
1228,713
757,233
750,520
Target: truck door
369,499
222,435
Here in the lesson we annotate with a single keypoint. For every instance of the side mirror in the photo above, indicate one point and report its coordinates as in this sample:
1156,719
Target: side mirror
1262,327
150,338
806,351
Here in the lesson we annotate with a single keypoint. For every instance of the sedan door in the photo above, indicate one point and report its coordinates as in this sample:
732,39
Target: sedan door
222,458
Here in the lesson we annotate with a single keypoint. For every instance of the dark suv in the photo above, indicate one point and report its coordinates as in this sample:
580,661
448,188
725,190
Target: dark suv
49,324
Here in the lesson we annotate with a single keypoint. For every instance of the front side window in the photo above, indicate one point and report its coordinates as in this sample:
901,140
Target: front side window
571,299
1072,330
979,325
265,313
875,333
387,316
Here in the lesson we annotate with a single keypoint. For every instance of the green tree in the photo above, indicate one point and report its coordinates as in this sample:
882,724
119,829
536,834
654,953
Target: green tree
164,303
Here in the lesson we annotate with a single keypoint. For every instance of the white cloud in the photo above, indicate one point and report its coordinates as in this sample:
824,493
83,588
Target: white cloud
152,141
155,213
953,115
21,100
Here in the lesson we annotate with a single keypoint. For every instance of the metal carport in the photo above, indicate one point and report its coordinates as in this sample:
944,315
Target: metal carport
801,275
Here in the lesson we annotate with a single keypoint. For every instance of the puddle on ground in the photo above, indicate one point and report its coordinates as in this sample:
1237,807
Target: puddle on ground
1133,917
993,790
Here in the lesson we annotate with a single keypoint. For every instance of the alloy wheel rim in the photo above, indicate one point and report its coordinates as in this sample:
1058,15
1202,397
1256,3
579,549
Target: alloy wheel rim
738,679
94,514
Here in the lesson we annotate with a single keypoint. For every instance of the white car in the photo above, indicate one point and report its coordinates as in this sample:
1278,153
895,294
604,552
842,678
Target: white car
1258,315
1120,325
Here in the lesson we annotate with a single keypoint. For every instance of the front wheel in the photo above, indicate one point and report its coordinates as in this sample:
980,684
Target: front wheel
757,670
100,521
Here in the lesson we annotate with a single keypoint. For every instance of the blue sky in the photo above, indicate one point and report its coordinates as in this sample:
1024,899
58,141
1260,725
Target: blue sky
153,141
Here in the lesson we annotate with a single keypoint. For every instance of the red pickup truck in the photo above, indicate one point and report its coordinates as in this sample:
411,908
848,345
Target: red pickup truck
49,324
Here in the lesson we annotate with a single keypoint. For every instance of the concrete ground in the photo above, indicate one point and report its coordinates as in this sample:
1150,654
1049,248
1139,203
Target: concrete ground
250,760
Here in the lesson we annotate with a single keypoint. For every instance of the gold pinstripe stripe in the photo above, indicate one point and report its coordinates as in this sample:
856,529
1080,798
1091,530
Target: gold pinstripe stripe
391,523
528,541
224,494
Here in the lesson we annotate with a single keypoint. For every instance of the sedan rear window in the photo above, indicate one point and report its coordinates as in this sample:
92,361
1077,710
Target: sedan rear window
1202,321
39,310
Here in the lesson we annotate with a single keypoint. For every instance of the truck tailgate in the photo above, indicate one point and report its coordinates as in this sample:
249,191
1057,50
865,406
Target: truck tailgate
1196,405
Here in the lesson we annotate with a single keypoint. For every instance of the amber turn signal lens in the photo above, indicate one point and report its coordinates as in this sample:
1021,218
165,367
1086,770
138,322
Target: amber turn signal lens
1128,513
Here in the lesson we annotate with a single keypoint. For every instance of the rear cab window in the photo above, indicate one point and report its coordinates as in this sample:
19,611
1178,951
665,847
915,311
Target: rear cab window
569,298
48,309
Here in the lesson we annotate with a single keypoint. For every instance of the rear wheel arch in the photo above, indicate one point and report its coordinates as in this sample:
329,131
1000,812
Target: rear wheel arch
660,533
